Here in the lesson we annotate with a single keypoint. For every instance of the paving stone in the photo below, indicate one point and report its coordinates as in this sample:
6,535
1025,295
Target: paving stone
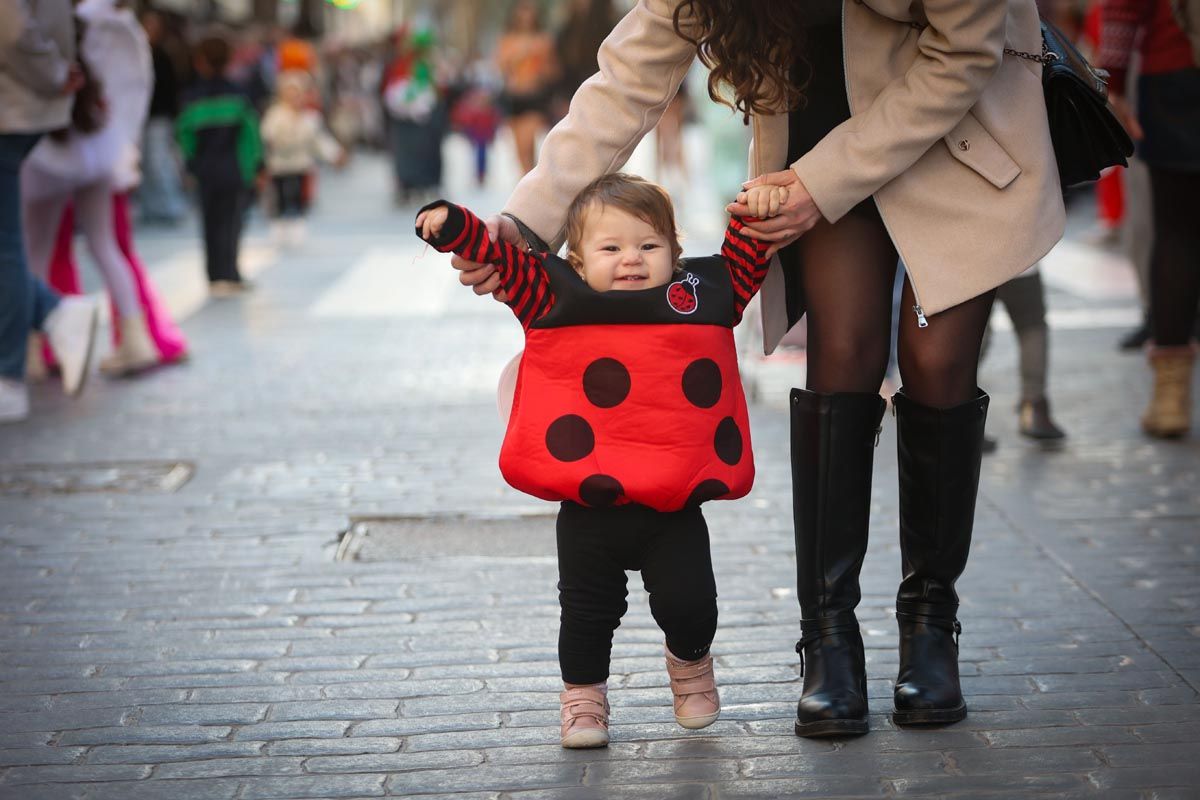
321,786
229,767
154,734
972,785
1030,761
326,747
163,754
1148,755
333,709
187,714
27,756
395,762
486,778
426,725
1146,778
200,789
829,786
80,773
297,729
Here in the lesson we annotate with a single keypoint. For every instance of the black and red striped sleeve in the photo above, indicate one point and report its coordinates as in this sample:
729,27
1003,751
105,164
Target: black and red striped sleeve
521,274
747,260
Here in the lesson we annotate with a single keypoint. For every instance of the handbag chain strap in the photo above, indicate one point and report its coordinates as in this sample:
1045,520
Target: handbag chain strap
1046,57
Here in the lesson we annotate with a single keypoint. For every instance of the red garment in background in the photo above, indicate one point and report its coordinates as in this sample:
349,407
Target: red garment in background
1150,27
64,276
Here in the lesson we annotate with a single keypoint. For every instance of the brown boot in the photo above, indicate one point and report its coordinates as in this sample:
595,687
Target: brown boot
1169,414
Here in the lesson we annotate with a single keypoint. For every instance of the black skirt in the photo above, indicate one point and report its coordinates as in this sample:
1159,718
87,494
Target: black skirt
1169,112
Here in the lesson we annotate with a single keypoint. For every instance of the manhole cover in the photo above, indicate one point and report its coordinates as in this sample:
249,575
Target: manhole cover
112,476
397,538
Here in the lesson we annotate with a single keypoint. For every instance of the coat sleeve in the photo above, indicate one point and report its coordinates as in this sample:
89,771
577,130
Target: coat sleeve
958,53
642,63
27,53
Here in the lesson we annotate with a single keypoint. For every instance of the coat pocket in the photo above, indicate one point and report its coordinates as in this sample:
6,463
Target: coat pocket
971,144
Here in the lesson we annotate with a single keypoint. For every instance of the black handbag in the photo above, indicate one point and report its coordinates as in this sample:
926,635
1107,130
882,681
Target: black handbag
1087,137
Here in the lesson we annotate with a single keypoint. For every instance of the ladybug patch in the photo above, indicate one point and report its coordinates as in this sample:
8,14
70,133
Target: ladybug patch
681,295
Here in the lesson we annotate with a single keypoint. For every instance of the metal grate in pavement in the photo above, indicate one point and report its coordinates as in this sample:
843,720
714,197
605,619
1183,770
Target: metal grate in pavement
395,538
109,476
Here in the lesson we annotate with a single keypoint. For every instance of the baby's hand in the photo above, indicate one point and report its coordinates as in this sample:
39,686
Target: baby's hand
431,222
764,201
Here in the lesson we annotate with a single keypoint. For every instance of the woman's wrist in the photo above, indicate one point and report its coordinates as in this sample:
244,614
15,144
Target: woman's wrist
531,240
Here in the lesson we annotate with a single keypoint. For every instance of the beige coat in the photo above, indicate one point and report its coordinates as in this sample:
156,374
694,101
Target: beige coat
948,134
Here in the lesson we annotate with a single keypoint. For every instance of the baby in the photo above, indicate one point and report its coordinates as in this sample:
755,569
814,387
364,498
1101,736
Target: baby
628,411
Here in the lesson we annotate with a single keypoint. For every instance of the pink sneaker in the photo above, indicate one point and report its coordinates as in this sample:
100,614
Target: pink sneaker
584,716
697,704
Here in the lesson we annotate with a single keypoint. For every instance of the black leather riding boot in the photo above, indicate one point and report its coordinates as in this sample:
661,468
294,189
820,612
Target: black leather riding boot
833,449
939,453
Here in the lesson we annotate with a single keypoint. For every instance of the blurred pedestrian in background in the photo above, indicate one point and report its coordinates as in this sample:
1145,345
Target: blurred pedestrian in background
476,117
1166,125
528,67
1024,300
160,195
578,40
38,78
90,167
218,134
294,138
416,115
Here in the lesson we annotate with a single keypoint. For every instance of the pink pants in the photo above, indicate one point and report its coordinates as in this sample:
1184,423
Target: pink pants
64,276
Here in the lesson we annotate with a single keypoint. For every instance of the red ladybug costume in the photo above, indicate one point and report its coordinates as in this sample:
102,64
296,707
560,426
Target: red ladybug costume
624,396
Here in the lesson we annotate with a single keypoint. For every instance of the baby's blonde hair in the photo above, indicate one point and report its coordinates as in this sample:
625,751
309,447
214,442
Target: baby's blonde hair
637,196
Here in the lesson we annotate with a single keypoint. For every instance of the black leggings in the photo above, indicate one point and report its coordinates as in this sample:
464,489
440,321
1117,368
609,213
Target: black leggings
1175,259
596,546
848,272
290,201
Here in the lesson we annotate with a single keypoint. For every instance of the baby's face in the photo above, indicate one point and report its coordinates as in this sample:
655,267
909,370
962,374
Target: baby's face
623,252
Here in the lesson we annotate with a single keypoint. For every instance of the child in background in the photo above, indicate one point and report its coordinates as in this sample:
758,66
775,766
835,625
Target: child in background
218,135
629,410
294,137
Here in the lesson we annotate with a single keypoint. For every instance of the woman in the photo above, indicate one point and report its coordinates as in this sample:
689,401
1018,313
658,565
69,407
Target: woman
587,25
79,165
525,59
1167,127
119,50
415,117
927,125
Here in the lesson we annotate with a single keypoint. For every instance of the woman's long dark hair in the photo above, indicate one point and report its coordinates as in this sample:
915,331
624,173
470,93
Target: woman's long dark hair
88,114
749,47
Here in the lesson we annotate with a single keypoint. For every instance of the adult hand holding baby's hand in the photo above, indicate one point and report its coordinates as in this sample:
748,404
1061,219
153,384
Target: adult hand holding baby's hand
483,278
764,201
797,212
430,222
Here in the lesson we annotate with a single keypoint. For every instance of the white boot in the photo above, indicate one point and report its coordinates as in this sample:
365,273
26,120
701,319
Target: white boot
14,400
295,232
71,329
135,353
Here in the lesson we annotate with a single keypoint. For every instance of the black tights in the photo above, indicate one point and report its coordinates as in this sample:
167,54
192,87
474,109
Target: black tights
1175,259
848,271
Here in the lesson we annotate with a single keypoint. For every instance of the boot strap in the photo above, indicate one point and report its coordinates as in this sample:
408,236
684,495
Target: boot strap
812,630
935,621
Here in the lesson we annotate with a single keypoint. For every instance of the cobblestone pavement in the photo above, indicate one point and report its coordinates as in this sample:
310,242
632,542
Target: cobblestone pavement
204,643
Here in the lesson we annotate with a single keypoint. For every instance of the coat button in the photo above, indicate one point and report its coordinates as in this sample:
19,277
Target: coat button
964,145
